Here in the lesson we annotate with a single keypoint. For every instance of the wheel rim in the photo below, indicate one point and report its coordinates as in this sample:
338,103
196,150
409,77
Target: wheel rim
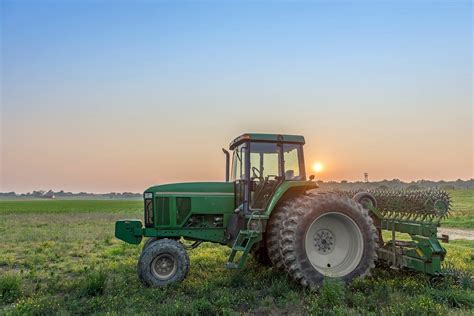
164,266
334,244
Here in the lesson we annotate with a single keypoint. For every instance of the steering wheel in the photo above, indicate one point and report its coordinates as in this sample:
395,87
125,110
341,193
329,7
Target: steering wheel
267,186
260,188
255,171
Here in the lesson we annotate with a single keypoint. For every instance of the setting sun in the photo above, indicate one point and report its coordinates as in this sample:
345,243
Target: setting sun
317,167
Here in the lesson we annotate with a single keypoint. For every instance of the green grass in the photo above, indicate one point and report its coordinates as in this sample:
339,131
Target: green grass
67,206
61,257
462,215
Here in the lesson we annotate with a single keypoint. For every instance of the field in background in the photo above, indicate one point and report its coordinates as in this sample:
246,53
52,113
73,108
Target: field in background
69,206
462,215
61,257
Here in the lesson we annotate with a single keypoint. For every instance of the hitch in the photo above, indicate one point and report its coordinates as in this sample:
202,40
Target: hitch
444,238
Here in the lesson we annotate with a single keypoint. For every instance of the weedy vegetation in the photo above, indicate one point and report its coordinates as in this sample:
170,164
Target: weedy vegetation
61,257
462,215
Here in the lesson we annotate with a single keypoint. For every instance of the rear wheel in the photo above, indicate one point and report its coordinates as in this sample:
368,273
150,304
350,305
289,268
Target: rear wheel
327,236
162,262
274,226
260,254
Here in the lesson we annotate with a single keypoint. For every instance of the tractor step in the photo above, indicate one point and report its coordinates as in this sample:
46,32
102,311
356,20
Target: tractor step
243,243
231,265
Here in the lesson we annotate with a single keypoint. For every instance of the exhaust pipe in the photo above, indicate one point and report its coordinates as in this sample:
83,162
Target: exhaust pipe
227,164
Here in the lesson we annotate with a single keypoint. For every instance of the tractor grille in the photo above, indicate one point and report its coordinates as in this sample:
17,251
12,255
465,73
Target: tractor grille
183,208
163,211
149,216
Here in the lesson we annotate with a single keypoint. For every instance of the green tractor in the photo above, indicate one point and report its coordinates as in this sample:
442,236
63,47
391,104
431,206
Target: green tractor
269,208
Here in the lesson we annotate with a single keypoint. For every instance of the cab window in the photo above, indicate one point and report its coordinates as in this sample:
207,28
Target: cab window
291,156
264,161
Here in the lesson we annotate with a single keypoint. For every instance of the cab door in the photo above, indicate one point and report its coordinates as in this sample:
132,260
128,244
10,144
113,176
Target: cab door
266,172
240,176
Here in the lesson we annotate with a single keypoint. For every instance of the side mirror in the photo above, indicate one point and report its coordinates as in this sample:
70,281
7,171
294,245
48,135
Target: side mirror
311,177
227,163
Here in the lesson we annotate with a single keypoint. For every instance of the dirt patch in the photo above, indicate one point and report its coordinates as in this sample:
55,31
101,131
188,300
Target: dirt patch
456,233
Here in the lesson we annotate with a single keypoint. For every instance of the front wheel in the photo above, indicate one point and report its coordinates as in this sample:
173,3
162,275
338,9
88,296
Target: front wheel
327,236
149,241
162,262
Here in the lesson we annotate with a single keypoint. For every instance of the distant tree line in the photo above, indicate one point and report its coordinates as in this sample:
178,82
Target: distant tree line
42,194
397,184
394,184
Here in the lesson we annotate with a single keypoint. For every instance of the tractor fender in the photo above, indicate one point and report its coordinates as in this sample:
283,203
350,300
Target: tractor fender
286,187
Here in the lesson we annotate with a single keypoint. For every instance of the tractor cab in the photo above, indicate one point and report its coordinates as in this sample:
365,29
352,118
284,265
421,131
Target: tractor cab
260,163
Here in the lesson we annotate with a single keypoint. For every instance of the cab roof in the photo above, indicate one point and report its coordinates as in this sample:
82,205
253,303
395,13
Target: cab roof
273,138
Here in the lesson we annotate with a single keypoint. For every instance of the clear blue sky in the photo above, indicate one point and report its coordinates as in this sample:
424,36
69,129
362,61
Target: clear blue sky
119,95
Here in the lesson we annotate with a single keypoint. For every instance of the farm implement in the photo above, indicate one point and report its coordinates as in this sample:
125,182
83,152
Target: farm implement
415,213
267,207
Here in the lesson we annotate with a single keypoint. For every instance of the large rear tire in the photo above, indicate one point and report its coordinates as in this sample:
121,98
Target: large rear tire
260,254
274,226
327,236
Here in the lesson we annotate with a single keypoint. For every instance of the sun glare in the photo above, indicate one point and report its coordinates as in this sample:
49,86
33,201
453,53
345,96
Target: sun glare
318,167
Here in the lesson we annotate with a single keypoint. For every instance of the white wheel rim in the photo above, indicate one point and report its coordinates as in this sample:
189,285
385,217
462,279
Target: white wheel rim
334,244
164,266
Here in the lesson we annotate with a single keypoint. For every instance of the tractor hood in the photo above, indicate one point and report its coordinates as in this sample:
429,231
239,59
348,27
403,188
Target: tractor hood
194,188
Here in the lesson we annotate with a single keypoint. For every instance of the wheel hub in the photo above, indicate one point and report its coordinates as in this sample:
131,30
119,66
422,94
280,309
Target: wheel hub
334,244
324,241
164,266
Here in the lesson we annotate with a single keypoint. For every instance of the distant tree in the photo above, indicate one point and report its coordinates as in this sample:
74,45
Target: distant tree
413,187
448,187
344,181
8,194
382,187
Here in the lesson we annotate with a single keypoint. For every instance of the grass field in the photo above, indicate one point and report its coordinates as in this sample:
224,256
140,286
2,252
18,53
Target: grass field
462,215
61,257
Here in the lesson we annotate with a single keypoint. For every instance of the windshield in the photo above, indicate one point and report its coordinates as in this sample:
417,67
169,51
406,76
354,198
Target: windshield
264,161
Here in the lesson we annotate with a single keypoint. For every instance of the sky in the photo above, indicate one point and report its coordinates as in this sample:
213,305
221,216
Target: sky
104,96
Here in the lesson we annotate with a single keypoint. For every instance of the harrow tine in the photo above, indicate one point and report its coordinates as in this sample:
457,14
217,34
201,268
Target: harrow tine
421,205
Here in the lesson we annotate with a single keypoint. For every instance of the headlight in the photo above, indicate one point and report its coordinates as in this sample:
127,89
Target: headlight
149,220
148,195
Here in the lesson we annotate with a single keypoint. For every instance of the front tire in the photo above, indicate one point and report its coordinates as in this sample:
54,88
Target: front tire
163,262
149,241
327,236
